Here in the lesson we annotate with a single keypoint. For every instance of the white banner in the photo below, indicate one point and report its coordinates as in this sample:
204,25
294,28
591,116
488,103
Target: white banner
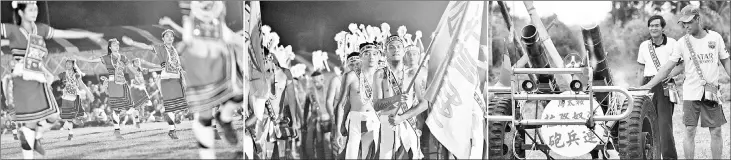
452,88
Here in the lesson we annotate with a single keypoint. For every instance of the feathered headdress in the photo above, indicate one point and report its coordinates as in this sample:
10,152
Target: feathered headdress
319,60
341,51
298,70
270,40
14,4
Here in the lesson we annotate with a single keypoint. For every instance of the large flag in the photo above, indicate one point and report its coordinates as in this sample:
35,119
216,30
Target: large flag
454,79
253,33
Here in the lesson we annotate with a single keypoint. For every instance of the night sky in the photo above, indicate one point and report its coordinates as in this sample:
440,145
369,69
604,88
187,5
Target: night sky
93,14
307,26
310,26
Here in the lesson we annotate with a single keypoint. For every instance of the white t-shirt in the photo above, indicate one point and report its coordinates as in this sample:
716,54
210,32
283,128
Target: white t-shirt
709,50
663,54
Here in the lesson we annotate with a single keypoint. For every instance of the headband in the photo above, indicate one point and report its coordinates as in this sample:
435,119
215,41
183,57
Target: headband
368,46
168,30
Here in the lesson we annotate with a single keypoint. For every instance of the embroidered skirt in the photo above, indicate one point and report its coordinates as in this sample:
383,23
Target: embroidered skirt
119,97
71,109
172,95
33,101
212,80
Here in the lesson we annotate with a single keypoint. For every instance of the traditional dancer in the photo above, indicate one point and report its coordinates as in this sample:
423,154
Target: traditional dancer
171,82
35,105
361,121
71,97
208,56
317,137
390,81
117,86
352,62
138,89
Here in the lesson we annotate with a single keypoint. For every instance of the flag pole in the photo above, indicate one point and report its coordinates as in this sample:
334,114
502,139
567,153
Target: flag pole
423,59
488,53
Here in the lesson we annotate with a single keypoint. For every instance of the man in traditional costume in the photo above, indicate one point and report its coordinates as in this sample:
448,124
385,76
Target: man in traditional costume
317,125
392,99
361,121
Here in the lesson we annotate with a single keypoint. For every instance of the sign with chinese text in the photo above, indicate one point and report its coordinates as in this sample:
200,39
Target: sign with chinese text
571,140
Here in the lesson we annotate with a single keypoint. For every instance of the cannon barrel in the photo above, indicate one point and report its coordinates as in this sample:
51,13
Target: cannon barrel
537,57
595,50
535,51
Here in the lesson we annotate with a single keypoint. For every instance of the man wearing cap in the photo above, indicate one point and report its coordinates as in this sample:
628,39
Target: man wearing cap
391,99
653,53
703,50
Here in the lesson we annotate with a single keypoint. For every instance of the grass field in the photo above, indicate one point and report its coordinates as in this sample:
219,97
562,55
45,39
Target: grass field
148,142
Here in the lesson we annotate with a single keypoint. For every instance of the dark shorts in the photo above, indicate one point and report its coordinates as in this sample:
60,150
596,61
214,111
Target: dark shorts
711,115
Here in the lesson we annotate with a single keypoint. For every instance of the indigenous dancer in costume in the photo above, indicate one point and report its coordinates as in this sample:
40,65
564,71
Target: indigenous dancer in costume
71,97
352,63
280,127
138,89
117,86
317,137
171,83
362,122
35,105
259,102
392,99
415,114
208,55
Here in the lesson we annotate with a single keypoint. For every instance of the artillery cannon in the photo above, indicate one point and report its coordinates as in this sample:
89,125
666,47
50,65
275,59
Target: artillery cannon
587,116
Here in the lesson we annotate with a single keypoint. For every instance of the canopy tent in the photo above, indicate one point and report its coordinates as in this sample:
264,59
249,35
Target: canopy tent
62,49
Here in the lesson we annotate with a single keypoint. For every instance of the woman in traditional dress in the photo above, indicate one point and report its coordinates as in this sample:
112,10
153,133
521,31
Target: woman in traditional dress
117,86
138,89
35,104
208,56
71,95
171,83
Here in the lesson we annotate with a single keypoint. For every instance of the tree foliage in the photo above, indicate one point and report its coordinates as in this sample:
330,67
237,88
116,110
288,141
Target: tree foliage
622,33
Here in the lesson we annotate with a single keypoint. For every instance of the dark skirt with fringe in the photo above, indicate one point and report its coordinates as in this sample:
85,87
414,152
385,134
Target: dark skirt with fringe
33,101
119,97
173,97
71,109
212,81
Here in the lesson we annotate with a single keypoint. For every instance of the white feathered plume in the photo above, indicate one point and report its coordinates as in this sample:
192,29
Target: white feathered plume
298,70
319,60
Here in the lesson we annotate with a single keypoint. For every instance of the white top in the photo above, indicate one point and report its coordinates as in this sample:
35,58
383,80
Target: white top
710,49
663,54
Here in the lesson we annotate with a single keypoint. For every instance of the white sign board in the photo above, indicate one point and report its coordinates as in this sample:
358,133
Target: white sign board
571,140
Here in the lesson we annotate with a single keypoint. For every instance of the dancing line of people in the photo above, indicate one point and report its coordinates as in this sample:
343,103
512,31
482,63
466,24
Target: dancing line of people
199,74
